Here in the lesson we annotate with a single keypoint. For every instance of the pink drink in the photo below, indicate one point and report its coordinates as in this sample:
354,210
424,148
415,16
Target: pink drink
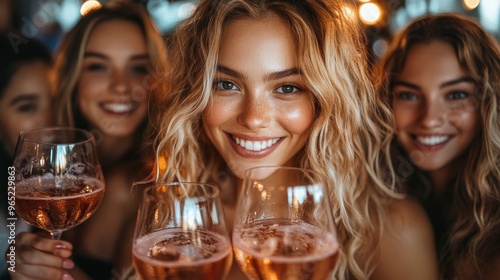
280,249
49,208
173,254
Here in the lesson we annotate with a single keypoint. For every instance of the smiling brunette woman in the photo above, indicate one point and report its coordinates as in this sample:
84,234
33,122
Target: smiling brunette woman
441,77
104,80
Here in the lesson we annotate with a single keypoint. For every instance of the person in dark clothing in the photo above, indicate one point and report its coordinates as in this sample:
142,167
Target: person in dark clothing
25,102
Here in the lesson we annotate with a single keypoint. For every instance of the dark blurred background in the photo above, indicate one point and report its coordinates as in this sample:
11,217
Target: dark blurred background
48,20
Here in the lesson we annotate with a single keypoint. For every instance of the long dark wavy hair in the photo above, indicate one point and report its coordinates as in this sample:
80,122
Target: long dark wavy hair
474,193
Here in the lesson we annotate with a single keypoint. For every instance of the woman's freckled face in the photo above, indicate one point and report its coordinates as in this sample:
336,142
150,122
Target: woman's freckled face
434,107
260,112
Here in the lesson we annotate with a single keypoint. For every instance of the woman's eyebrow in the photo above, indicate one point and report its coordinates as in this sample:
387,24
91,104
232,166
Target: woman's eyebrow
230,72
456,81
24,97
442,85
94,54
405,84
268,77
282,74
100,55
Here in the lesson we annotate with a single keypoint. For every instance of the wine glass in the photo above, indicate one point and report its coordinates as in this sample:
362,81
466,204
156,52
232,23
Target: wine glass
181,234
59,181
284,225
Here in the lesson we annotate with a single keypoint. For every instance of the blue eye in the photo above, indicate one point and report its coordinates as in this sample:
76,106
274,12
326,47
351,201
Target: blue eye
457,95
287,88
406,96
225,85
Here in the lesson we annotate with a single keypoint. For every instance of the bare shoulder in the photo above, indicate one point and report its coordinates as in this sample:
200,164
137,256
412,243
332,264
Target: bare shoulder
407,249
408,220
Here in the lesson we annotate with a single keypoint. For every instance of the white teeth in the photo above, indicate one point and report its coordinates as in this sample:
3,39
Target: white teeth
432,140
255,145
119,108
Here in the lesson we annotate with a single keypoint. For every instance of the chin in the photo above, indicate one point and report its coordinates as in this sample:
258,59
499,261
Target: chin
430,167
120,133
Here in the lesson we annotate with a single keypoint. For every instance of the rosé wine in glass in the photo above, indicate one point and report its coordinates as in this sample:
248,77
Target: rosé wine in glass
59,181
284,225
181,233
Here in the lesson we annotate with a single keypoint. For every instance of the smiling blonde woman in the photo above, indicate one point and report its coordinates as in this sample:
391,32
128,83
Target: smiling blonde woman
283,82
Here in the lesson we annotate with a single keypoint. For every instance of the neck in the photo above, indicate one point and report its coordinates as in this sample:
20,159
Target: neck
113,149
442,178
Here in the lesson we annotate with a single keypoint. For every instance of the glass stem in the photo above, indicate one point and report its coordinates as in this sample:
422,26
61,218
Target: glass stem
56,234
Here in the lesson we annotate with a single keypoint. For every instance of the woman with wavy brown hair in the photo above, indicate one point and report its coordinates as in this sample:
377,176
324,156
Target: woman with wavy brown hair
441,77
283,82
107,69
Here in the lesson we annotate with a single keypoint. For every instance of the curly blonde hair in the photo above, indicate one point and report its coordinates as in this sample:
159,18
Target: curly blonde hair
475,192
350,138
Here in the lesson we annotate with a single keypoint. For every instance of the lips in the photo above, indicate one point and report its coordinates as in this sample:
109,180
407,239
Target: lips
255,145
432,140
119,108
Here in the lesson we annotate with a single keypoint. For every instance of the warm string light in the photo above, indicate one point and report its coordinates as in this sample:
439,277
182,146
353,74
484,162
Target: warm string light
89,6
470,4
369,13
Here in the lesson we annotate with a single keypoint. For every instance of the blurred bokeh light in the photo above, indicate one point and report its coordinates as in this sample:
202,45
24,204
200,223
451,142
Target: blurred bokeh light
51,19
88,6
369,13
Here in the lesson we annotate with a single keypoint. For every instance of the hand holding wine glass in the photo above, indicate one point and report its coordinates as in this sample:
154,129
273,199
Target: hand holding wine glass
284,226
59,182
181,233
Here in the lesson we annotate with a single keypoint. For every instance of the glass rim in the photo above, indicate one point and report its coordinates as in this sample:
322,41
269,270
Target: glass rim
88,134
214,193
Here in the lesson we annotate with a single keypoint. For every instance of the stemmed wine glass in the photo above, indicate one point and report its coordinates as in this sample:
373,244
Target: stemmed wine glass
284,225
59,181
181,234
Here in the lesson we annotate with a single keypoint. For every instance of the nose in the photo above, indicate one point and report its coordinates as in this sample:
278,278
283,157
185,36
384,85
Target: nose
256,113
433,114
119,82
